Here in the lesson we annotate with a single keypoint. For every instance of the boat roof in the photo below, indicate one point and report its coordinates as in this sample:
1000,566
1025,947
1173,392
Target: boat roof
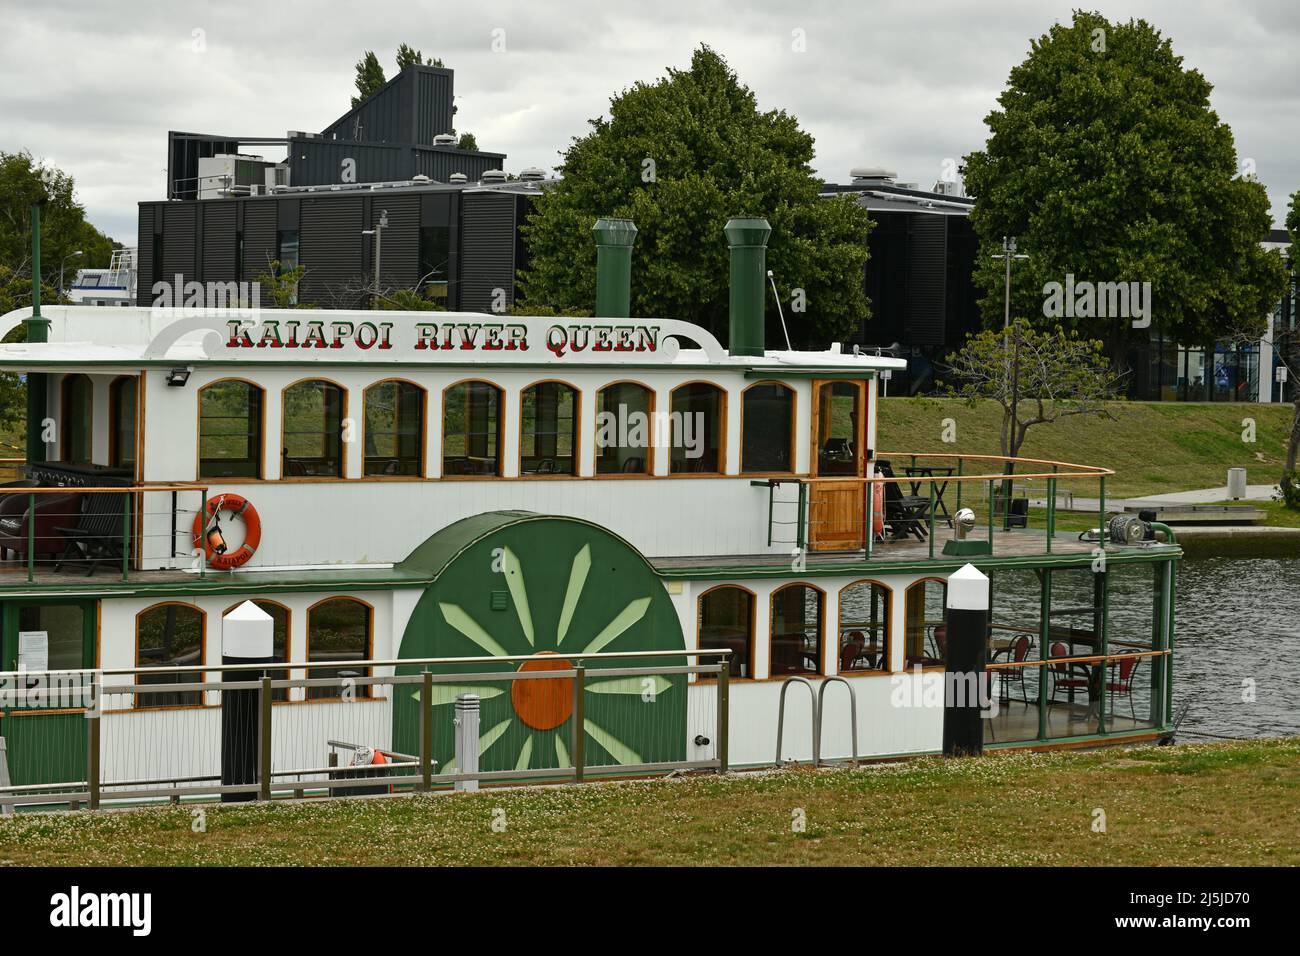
84,337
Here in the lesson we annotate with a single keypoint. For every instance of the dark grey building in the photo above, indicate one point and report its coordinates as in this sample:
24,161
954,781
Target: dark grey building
452,217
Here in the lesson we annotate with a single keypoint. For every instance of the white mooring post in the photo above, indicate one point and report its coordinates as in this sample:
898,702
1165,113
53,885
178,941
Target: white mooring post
467,711
247,637
964,661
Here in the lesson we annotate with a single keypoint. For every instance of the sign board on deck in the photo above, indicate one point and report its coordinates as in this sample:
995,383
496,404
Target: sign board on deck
33,650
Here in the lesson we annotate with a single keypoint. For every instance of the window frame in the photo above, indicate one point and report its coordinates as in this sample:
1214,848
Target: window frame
501,434
65,408
422,466
364,691
649,456
821,630
753,628
887,652
794,433
261,436
343,417
114,418
283,694
575,438
199,669
907,620
722,431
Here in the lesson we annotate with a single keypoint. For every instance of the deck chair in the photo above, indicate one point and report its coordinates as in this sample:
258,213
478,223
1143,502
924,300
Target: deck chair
97,537
904,514
1019,516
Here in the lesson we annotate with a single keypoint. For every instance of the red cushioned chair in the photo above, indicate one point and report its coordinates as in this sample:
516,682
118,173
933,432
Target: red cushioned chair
52,512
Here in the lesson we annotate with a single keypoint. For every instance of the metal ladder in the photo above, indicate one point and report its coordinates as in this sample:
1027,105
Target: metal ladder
818,699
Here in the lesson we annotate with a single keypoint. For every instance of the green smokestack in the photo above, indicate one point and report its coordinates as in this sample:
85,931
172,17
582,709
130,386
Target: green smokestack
748,241
38,328
614,238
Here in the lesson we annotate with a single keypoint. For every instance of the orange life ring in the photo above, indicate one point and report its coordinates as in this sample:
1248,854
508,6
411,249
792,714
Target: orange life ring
241,508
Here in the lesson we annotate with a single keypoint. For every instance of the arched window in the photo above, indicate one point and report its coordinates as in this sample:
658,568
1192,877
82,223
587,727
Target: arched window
697,429
170,635
471,429
312,430
394,429
76,404
279,641
122,413
839,429
864,627
767,426
548,429
926,623
624,429
727,621
230,430
338,629
797,630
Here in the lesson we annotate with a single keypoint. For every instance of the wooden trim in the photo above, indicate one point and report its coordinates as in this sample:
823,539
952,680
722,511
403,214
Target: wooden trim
200,668
794,429
577,429
307,663
860,452
114,406
887,651
821,626
722,432
343,417
651,394
424,420
64,382
501,421
753,627
261,438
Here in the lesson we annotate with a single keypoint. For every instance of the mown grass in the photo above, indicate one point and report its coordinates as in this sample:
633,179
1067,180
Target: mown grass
1153,447
1214,804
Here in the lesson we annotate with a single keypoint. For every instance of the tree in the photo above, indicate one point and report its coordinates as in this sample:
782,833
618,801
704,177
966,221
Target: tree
370,77
467,142
1107,163
280,287
64,229
680,157
1036,376
1286,345
409,56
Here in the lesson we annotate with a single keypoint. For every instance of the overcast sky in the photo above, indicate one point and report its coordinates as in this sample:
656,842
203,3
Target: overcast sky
93,87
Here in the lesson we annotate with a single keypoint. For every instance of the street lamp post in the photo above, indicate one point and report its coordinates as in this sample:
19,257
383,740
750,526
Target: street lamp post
1009,253
378,233
71,255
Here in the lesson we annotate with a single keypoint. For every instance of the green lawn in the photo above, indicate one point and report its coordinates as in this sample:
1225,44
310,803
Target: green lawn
1153,447
1209,804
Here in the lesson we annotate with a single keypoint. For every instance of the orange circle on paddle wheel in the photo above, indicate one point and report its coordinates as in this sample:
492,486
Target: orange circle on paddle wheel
543,704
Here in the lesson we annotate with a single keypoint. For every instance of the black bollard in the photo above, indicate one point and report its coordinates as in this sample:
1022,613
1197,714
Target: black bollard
964,660
247,637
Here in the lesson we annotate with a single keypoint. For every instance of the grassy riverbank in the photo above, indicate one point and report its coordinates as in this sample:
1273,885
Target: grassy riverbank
1154,447
1209,804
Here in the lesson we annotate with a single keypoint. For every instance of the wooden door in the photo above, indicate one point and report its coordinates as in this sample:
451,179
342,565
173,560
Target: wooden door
837,504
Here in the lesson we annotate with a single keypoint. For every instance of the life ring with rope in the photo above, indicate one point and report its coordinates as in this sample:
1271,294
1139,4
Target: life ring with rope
207,532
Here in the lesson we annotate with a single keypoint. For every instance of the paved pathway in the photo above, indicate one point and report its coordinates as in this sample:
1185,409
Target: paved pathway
1204,496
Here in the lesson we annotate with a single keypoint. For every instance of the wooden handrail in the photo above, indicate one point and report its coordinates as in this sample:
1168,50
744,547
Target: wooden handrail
1090,659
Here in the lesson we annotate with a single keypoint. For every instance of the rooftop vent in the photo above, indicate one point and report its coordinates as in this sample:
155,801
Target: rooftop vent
457,178
445,139
493,176
532,174
872,174
420,179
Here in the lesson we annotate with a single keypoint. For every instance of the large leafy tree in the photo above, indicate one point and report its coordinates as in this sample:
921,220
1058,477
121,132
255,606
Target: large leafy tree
370,77
64,229
680,157
1106,162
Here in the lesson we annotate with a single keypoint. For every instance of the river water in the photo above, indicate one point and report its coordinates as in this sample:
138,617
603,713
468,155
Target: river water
1238,631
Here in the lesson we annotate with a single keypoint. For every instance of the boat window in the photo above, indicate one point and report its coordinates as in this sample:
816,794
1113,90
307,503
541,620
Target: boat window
230,430
624,429
122,401
338,630
767,420
926,626
394,429
697,410
839,413
727,621
471,429
548,429
796,630
77,406
864,627
313,430
169,635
